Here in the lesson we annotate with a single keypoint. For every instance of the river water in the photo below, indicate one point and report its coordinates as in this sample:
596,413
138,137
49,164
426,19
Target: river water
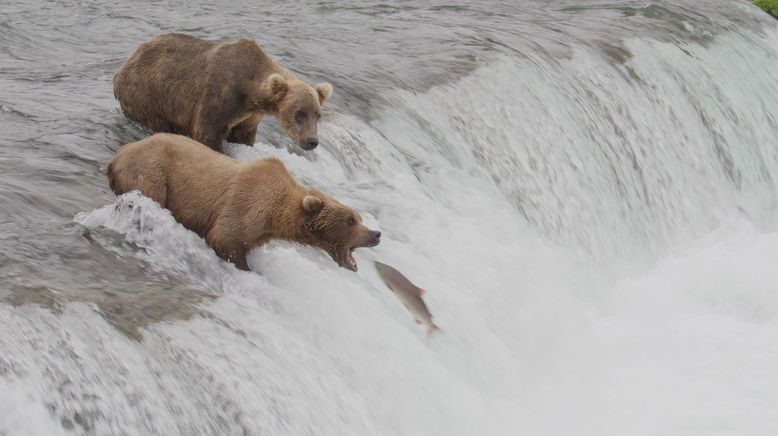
586,189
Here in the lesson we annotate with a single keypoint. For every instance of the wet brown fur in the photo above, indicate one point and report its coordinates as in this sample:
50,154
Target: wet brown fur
208,91
235,206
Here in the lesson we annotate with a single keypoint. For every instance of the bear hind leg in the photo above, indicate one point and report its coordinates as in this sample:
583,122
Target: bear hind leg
149,117
123,180
154,188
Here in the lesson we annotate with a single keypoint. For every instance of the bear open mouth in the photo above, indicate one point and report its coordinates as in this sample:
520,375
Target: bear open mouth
351,261
347,259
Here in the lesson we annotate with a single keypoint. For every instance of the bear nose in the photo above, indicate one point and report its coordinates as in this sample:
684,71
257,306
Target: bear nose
377,236
312,143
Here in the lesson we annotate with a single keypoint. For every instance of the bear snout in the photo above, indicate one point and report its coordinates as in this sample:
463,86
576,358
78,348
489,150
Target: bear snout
310,143
375,238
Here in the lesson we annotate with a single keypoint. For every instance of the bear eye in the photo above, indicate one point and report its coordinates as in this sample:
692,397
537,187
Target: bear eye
351,221
300,116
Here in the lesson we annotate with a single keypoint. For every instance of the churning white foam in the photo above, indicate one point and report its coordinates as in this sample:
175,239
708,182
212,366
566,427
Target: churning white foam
537,339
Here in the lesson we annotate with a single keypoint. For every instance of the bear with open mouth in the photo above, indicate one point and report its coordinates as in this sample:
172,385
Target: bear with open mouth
235,205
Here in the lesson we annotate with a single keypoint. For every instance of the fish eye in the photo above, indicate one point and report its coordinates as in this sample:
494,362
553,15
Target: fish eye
351,221
300,116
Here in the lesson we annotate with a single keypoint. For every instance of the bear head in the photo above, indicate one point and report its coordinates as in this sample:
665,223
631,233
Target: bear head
297,107
336,229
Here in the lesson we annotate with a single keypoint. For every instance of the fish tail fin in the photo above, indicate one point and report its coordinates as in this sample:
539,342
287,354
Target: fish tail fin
432,329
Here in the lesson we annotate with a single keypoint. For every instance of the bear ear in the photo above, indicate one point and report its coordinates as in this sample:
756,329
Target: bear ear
312,204
274,87
324,90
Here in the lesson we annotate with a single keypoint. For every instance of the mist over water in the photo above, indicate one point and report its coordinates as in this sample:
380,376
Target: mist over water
586,190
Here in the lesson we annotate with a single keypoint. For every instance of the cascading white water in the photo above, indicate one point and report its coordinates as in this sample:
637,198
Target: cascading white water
621,159
596,238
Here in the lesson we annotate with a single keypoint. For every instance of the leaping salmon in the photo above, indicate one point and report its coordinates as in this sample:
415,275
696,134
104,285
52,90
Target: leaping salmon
409,294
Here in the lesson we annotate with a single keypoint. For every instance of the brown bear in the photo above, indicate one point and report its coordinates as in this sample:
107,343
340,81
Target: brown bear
209,91
236,206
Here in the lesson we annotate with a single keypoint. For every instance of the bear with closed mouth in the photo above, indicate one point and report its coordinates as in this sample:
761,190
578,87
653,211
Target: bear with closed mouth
210,92
235,205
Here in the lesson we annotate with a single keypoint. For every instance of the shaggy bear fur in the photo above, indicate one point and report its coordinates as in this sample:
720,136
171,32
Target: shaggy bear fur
236,206
210,92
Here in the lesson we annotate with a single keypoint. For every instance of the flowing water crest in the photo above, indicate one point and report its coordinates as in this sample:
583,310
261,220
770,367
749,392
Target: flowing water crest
587,190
